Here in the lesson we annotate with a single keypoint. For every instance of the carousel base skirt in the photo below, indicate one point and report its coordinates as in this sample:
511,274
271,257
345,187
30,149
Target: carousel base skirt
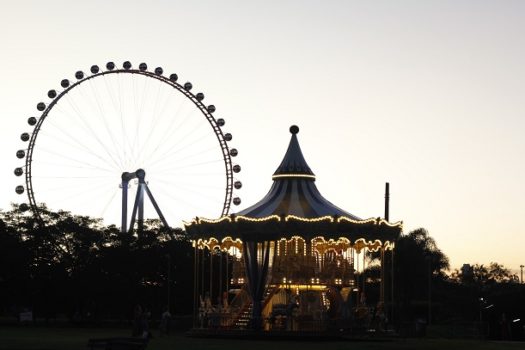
356,335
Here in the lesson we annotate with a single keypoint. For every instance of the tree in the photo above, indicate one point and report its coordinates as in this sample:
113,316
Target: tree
481,275
418,258
76,266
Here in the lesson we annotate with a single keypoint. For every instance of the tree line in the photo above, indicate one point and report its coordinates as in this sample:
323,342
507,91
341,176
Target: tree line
79,268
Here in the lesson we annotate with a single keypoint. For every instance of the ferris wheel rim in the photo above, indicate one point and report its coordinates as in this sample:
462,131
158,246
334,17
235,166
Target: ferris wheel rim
206,111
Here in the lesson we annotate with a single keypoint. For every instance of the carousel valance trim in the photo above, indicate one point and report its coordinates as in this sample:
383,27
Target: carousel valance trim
277,218
227,243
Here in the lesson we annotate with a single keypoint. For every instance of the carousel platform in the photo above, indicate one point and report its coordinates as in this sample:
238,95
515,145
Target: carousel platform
361,335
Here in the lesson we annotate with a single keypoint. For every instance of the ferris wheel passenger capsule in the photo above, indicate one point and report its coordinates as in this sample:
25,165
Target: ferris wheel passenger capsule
94,69
41,106
79,75
228,136
143,66
237,185
200,96
127,65
211,108
174,77
159,71
236,201
19,189
19,171
24,137
234,152
236,168
31,121
52,94
23,207
110,65
64,83
221,122
188,86
20,154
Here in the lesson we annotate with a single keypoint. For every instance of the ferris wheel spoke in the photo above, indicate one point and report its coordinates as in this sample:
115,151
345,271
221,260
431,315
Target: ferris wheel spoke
74,143
166,133
116,110
71,158
108,203
174,147
72,177
61,165
136,117
64,192
183,201
172,127
192,165
100,116
140,117
88,127
123,120
72,189
200,194
186,183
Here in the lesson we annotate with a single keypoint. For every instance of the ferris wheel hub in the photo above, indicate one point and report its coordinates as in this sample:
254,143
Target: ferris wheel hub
139,174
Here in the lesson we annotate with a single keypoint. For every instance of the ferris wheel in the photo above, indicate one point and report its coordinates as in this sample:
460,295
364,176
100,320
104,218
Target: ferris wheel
100,134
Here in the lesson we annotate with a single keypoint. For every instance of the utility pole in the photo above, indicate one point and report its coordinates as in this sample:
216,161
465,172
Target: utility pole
521,268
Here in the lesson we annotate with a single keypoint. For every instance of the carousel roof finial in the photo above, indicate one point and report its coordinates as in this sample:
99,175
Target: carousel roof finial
293,163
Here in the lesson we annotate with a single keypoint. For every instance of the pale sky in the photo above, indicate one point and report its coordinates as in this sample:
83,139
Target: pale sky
427,95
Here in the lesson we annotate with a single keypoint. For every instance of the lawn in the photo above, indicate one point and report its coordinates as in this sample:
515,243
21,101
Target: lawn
42,338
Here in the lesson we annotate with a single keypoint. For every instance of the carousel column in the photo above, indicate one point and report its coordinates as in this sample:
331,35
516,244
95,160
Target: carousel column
195,285
219,298
357,275
202,295
392,300
211,277
363,295
227,277
382,285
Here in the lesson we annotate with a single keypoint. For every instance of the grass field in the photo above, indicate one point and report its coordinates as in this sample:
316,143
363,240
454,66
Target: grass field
40,338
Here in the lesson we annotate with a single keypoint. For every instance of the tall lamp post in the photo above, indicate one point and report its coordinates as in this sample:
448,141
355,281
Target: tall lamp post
521,268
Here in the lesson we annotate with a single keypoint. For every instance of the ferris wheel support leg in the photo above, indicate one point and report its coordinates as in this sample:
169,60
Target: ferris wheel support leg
154,202
139,198
141,209
124,225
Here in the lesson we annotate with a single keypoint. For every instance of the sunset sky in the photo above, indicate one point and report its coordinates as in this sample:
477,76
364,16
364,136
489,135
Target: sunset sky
426,95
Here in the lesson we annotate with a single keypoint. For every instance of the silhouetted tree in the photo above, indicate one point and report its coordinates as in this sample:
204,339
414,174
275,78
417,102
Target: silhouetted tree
76,266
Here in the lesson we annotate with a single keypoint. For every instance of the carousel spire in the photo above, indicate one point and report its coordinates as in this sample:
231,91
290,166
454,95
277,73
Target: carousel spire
294,191
293,163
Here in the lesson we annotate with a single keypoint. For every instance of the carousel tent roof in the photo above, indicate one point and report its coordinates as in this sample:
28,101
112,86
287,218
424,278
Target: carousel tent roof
293,191
293,206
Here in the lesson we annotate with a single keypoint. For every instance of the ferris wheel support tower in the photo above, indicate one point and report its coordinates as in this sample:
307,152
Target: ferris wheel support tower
138,206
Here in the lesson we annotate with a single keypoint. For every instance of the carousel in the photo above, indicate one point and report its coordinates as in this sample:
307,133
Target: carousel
293,261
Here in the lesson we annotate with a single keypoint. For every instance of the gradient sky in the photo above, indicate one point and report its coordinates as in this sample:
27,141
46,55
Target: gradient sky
428,95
